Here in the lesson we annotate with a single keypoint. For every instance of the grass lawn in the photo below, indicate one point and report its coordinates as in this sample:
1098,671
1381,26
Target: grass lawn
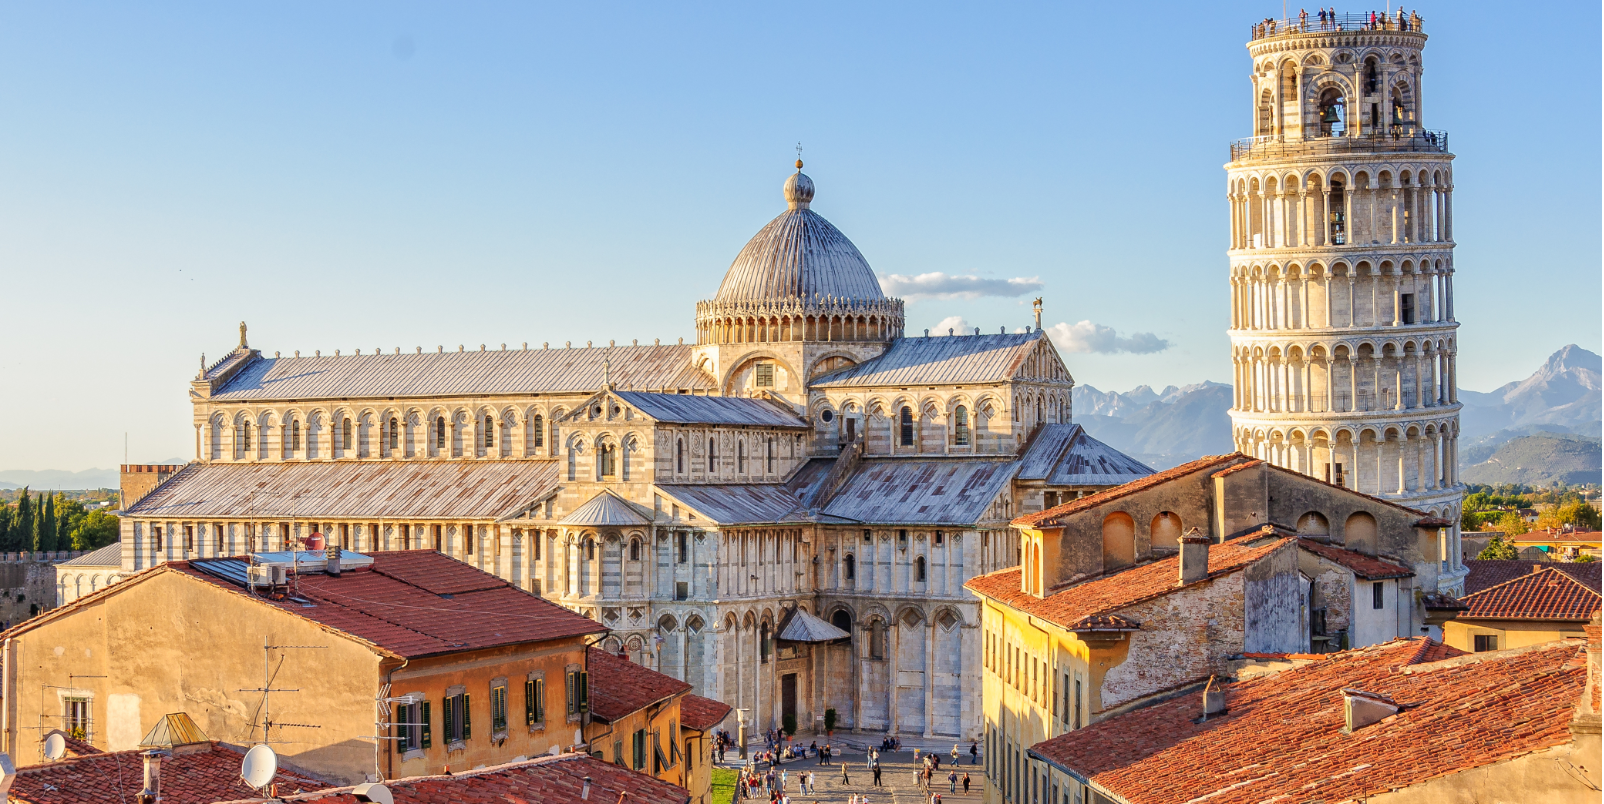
724,785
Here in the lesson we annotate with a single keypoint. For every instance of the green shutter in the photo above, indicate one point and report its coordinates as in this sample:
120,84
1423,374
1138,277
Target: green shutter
529,703
428,733
467,725
540,700
573,700
400,729
584,692
447,721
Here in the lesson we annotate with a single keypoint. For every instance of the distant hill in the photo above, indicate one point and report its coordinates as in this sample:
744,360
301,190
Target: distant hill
1539,460
1163,428
58,479
1566,393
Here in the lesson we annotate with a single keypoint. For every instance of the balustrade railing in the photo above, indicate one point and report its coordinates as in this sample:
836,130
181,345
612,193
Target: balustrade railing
1392,139
1334,23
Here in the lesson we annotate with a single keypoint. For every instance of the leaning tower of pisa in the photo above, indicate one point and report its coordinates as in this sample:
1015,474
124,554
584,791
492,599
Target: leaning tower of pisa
1342,305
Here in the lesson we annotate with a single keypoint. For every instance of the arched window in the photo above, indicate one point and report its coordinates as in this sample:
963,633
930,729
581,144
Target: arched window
245,430
1039,419
590,549
490,432
906,418
768,455
295,436
740,457
712,455
634,549
877,640
679,455
537,427
850,568
395,428
1119,541
919,569
960,429
345,433
842,620
765,644
440,432
1166,531
609,460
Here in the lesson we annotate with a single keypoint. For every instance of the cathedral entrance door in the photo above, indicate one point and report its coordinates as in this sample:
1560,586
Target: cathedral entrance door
788,697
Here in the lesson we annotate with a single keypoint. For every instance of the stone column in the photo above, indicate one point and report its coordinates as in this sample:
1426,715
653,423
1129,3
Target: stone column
1303,215
930,673
1330,384
892,671
1353,467
1353,382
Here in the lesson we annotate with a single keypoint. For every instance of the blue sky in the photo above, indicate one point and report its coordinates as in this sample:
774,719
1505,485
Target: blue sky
347,175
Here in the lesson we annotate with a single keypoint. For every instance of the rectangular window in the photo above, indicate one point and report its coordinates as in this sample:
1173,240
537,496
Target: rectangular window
156,539
468,538
456,718
1486,642
1078,721
618,753
578,692
682,548
535,701
189,538
638,743
75,720
682,590
498,709
1378,595
764,375
412,731
1407,315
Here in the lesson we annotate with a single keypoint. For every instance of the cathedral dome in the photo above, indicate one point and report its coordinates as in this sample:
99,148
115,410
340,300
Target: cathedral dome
799,255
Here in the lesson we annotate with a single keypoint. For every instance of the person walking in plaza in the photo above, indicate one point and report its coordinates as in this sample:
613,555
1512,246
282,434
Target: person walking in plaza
952,781
966,784
954,753
974,752
844,779
876,767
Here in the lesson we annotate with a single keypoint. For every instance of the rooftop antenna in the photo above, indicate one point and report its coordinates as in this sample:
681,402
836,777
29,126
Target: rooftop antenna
267,690
383,728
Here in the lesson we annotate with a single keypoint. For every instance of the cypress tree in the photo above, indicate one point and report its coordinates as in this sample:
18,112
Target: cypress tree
46,541
6,512
22,526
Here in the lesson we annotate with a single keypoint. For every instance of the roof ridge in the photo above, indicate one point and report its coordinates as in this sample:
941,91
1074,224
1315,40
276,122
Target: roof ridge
1530,575
1140,484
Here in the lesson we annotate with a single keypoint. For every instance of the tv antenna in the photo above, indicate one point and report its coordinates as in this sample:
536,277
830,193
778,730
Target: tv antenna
267,689
383,727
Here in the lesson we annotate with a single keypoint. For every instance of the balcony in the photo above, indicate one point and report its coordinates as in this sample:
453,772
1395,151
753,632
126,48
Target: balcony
1393,140
1337,23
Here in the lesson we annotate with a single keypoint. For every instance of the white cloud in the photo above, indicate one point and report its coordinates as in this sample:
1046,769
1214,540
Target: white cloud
1088,337
956,323
937,285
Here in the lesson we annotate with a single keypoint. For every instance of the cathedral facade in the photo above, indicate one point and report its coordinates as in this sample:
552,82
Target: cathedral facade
782,513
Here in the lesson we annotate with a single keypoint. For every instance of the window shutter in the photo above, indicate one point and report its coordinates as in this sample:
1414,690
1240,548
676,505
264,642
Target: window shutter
529,703
400,729
467,726
584,692
573,699
540,700
428,735
446,719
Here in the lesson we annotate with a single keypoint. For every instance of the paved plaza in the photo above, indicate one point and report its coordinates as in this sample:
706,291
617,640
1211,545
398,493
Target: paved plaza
899,779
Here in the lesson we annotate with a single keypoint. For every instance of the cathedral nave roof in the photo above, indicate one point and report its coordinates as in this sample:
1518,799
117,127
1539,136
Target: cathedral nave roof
940,491
944,360
1065,455
512,371
689,409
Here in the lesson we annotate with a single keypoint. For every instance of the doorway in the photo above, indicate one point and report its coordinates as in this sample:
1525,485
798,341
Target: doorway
788,697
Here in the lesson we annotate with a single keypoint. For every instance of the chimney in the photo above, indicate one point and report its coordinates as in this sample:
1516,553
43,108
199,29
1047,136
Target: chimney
153,778
1194,557
1213,699
1364,708
332,555
584,792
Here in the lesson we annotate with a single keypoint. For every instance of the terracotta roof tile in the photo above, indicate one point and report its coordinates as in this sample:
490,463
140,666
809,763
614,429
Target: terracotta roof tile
1110,593
696,712
1281,735
1157,478
1239,467
193,775
1483,574
618,686
545,780
1546,594
1367,567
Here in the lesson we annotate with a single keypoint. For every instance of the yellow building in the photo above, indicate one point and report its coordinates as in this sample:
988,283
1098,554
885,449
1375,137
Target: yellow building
1561,545
1541,606
635,717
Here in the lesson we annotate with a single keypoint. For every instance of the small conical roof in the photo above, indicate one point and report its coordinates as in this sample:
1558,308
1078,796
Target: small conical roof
174,729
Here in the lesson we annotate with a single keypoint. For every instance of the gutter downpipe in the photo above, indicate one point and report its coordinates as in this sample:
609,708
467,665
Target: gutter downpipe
7,678
389,764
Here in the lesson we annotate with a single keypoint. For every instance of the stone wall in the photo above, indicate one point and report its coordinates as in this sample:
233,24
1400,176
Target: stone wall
28,583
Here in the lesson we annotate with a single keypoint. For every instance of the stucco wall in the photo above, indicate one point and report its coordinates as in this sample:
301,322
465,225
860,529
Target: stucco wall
1567,774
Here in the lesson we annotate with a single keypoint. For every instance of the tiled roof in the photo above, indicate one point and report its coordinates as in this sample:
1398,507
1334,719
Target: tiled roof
739,503
1110,593
518,371
1064,455
1158,478
109,556
696,712
894,491
194,775
606,509
352,489
1281,738
689,409
1546,594
544,780
1541,536
948,360
618,686
1367,567
1482,574
413,603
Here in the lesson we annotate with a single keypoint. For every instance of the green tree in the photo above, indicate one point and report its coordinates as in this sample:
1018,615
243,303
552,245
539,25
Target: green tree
1585,558
97,529
1511,524
44,527
21,536
1497,550
1578,513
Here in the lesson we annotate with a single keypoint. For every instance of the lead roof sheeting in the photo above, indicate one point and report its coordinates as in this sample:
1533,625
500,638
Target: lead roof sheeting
1045,451
109,556
1090,462
947,360
686,409
739,504
801,626
351,490
799,255
920,492
465,373
606,509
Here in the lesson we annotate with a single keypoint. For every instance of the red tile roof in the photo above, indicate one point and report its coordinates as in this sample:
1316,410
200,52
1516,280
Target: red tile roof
413,603
1482,574
1546,594
1367,567
696,712
1157,478
1281,738
1239,467
618,686
192,775
1110,593
545,780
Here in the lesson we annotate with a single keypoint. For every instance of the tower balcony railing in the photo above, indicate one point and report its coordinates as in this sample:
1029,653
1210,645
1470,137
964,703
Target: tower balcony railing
1336,23
1395,139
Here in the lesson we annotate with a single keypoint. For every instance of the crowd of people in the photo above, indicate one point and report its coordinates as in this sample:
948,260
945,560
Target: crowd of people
774,780
1327,21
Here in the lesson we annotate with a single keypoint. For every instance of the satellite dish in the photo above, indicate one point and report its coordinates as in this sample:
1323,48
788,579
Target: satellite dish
259,767
55,747
376,793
